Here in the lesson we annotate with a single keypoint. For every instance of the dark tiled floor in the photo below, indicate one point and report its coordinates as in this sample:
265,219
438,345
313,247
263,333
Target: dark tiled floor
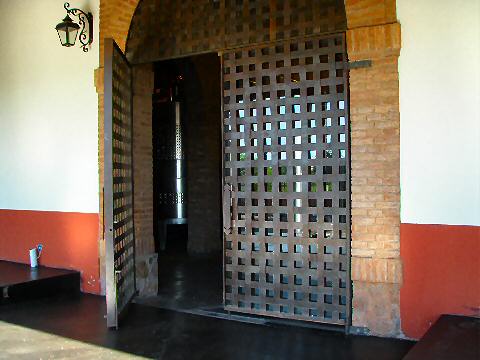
188,282
165,331
164,334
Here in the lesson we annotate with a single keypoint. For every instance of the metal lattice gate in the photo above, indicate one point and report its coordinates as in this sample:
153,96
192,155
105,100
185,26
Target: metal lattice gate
287,180
118,184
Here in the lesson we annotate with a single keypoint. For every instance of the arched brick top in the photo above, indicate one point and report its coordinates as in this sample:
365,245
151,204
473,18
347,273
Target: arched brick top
170,28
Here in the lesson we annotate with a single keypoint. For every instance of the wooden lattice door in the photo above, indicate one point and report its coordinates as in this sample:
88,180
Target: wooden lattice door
287,180
118,184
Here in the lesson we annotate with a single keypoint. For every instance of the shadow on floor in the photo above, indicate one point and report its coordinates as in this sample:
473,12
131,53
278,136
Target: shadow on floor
163,334
187,282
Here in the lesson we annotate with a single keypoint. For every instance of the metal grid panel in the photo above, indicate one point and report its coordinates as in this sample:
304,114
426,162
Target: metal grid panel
178,28
120,236
258,21
287,161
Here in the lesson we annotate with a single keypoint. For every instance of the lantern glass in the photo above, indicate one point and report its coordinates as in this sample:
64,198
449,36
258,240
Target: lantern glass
67,31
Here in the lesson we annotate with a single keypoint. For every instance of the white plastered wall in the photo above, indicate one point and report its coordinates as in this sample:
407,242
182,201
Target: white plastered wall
439,69
48,111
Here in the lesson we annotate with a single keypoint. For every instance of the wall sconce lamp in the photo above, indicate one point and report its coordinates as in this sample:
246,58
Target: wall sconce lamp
67,30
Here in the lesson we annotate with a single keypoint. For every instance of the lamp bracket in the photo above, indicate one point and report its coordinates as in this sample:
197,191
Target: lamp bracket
85,19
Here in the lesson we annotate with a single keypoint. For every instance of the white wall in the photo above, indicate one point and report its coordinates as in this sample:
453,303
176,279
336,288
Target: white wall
48,111
439,111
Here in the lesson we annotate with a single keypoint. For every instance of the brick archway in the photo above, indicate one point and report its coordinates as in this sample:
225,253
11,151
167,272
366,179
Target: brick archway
197,26
373,33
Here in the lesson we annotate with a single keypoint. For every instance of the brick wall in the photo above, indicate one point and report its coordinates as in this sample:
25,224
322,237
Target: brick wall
142,158
374,34
204,155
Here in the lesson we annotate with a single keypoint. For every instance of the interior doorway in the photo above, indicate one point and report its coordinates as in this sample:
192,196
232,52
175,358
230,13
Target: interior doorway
187,161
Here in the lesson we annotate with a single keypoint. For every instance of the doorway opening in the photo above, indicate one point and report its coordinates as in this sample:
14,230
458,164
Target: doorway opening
187,162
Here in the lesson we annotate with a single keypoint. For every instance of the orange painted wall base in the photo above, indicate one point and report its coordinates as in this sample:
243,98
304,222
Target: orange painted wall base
441,274
441,263
70,241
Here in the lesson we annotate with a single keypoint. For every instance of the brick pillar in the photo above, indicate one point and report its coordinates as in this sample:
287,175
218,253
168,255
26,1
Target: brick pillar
146,258
374,35
142,158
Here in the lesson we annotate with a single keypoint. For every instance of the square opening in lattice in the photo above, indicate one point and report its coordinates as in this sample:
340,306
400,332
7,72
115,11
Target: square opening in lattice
255,306
269,278
327,234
